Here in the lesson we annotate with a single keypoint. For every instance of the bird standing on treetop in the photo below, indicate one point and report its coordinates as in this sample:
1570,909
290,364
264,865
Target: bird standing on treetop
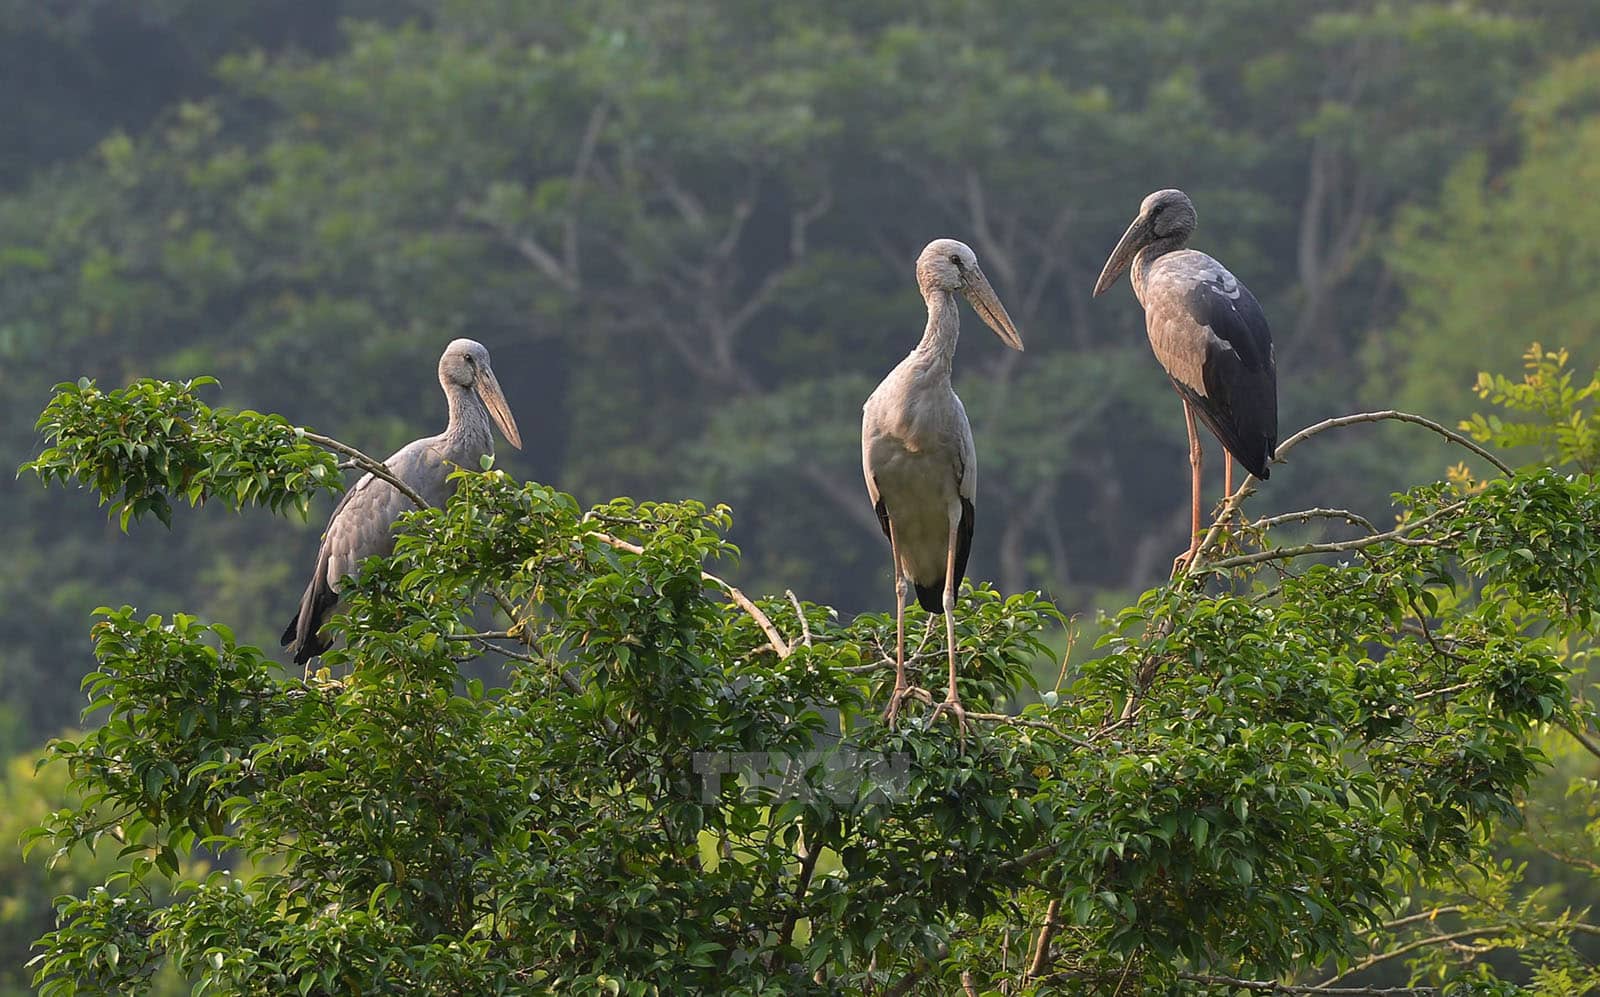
1209,333
918,457
362,524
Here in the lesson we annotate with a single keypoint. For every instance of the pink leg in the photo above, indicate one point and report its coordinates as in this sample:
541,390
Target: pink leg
1195,458
952,701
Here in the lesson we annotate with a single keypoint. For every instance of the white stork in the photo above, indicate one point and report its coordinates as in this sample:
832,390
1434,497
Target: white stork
1209,333
918,457
362,524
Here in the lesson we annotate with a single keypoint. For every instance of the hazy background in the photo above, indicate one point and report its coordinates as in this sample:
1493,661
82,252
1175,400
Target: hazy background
685,231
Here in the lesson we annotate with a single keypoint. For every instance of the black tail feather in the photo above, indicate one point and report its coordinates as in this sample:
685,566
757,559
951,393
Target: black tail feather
302,638
931,597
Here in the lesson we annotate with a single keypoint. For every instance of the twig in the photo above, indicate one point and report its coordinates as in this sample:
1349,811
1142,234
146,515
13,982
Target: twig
1248,486
503,651
376,468
1426,915
738,598
1340,422
1448,690
1396,535
1016,721
1274,987
1306,515
1395,953
1583,740
805,625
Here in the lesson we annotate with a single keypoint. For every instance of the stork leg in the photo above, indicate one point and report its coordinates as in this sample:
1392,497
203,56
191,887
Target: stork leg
902,689
1195,455
952,701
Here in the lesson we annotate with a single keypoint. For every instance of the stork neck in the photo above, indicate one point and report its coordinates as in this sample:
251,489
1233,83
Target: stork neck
938,346
1149,254
469,428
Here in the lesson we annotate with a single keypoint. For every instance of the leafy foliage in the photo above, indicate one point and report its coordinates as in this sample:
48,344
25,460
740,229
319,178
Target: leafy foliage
1565,430
139,445
1244,783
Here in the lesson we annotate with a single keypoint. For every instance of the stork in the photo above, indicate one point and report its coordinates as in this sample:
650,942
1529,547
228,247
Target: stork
362,524
1209,333
918,458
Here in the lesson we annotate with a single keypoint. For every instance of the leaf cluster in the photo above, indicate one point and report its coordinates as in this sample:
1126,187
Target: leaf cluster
1244,781
142,446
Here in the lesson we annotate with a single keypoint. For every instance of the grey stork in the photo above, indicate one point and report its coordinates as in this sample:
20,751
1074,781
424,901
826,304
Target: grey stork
362,524
918,458
1209,333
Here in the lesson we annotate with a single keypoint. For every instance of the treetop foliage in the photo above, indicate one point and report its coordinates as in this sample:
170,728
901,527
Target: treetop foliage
1245,782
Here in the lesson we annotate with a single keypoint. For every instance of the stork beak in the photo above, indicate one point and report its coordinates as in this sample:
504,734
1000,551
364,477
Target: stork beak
1133,240
488,388
987,304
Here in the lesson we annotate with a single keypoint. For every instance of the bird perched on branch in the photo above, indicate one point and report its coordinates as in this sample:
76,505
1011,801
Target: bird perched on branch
918,458
1209,333
362,524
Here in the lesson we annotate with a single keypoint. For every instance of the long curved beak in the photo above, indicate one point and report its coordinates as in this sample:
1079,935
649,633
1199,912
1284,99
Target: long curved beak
488,388
987,304
1133,240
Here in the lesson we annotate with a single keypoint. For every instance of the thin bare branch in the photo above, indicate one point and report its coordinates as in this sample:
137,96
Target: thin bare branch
738,598
1394,415
376,468
1584,741
1307,515
800,613
1405,949
1426,915
1396,535
1248,486
1274,987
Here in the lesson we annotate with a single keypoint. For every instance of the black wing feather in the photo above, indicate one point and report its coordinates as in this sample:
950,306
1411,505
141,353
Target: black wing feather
1240,403
304,642
931,597
883,518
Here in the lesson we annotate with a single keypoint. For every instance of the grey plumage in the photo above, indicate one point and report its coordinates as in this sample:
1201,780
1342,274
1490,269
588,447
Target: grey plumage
1209,333
917,454
362,524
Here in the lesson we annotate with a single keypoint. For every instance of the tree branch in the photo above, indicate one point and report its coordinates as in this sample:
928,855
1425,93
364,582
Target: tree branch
737,597
376,468
1584,741
1041,953
1248,486
1307,515
1396,535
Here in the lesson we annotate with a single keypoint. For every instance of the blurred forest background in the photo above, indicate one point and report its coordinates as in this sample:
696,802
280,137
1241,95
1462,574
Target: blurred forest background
685,230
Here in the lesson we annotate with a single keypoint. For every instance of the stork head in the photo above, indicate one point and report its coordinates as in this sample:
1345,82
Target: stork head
1166,216
465,364
950,266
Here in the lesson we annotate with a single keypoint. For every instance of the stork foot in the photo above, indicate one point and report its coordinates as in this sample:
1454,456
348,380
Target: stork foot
952,705
901,694
1180,564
